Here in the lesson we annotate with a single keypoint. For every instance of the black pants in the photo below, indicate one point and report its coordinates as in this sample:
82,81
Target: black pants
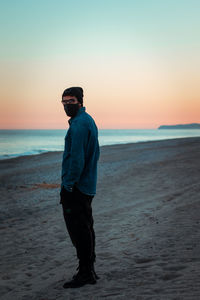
77,212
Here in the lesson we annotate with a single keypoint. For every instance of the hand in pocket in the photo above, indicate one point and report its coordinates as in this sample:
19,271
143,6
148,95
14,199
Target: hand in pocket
64,195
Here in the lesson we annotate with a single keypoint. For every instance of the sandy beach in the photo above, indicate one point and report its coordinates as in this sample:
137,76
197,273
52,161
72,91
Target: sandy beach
147,224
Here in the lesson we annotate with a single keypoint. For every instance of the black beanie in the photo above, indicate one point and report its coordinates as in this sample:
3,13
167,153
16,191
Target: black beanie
74,91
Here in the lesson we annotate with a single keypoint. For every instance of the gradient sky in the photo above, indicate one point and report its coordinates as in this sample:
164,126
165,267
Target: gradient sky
137,61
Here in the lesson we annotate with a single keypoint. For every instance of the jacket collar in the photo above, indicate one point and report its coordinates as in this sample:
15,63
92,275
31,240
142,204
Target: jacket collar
80,111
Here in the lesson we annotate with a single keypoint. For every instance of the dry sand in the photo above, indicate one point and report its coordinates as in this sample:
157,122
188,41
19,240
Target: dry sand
147,219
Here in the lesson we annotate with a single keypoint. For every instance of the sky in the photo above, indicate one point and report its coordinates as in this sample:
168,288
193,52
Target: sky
137,61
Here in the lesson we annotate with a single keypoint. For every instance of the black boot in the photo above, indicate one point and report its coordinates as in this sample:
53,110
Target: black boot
84,276
93,270
95,274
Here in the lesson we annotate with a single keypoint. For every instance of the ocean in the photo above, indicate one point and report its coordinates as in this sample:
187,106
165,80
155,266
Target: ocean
15,143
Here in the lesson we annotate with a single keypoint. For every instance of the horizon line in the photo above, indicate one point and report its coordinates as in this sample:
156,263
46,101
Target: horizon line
67,128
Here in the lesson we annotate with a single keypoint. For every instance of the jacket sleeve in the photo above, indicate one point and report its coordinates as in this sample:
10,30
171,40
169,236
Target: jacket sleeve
79,137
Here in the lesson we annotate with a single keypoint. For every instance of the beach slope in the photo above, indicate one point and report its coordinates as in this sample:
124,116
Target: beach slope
147,221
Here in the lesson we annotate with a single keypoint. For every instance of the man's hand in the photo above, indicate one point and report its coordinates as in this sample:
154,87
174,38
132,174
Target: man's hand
64,194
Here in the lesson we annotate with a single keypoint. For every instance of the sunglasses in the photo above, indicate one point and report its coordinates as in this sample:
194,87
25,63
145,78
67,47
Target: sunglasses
69,101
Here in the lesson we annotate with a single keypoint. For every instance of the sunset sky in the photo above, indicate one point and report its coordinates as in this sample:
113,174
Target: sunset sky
137,61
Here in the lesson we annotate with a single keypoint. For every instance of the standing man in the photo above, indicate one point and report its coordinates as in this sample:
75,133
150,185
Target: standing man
78,186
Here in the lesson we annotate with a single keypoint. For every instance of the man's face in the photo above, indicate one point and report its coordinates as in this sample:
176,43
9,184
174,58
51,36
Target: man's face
70,100
71,105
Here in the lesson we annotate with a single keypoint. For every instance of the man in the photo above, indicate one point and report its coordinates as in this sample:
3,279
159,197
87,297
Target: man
78,186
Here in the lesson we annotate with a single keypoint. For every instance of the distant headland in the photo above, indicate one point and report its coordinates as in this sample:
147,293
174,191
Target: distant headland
181,126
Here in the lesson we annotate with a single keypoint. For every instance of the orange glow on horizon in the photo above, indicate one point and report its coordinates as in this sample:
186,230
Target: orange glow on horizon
146,96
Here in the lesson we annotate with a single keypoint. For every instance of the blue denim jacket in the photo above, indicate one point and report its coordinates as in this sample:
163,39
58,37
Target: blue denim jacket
81,153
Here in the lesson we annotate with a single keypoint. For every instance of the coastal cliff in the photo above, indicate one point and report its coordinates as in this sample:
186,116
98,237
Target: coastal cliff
181,126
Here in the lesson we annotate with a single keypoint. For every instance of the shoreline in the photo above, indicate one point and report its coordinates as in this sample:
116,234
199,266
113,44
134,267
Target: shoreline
111,145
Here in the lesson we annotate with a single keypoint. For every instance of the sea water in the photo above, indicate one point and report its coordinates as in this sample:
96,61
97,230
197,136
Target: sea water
29,141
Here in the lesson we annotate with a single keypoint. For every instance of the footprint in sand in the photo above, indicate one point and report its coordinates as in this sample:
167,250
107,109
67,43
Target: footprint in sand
169,276
174,268
143,260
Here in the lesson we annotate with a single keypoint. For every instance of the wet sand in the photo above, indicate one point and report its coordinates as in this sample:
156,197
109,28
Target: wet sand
147,224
